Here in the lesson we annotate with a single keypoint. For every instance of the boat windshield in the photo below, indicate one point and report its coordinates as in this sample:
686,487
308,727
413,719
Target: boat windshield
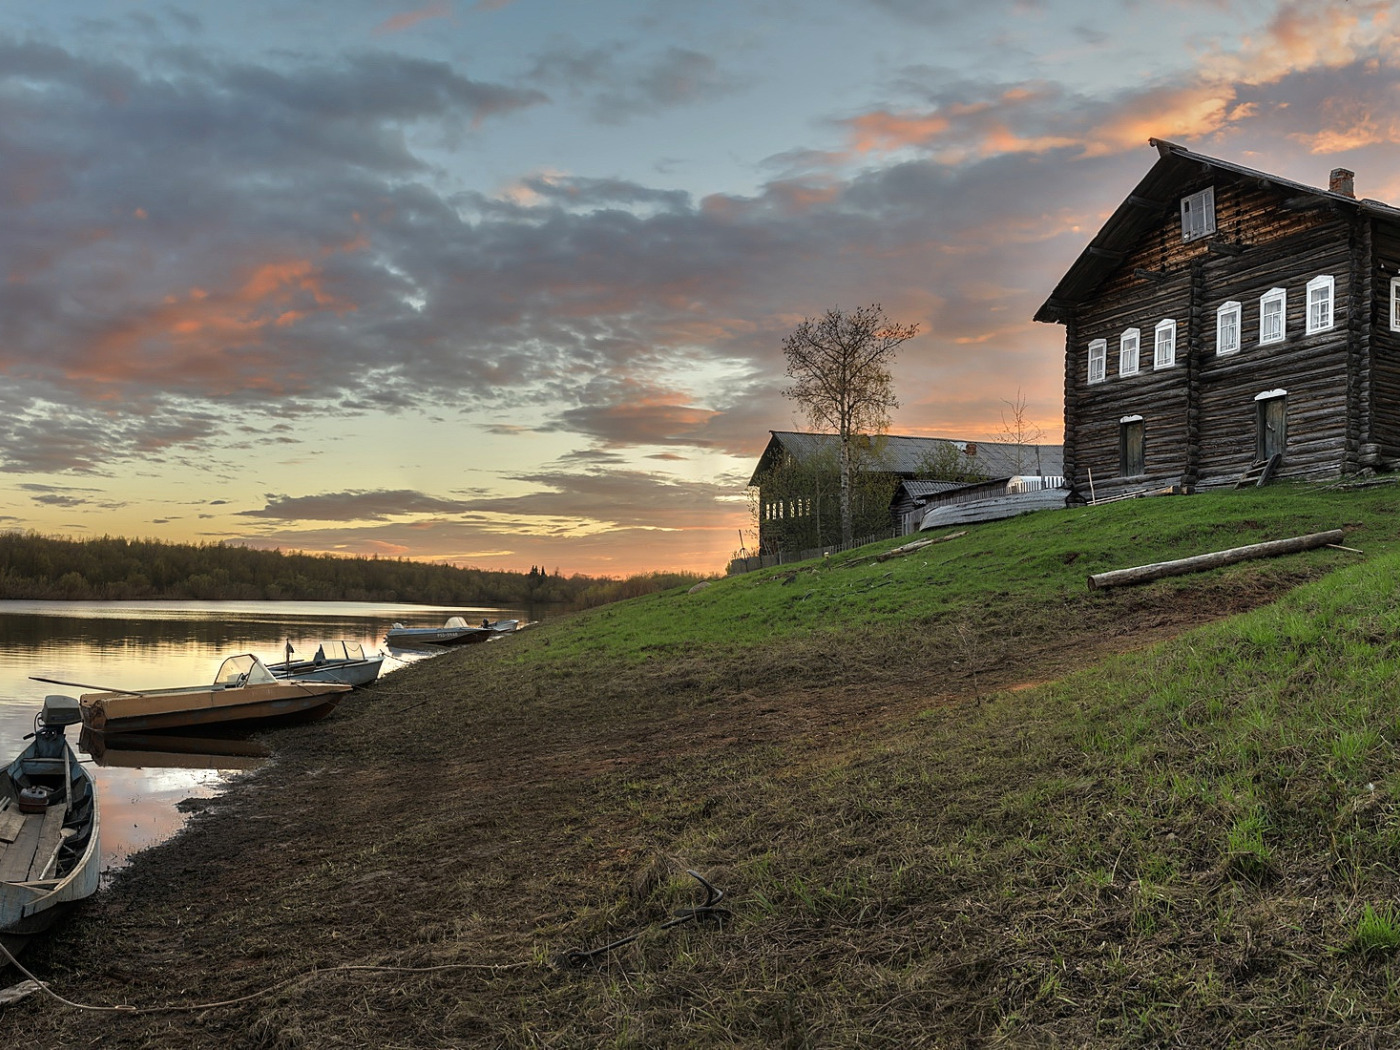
341,650
245,669
456,621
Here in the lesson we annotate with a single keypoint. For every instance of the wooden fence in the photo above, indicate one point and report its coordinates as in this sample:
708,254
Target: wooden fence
742,563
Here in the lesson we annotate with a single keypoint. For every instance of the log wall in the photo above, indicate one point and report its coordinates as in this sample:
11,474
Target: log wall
1200,415
1384,348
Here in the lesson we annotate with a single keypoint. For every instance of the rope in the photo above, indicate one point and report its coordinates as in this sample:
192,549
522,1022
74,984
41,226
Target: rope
310,974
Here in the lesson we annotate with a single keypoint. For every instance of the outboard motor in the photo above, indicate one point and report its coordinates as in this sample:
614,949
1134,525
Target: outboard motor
59,712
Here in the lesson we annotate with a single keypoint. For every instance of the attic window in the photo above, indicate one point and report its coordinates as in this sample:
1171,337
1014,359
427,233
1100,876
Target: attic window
1198,214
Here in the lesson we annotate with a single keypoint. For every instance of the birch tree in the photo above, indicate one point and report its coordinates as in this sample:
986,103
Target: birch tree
840,367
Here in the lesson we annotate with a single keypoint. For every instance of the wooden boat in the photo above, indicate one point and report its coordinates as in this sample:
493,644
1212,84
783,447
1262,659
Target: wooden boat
49,857
333,662
244,692
456,631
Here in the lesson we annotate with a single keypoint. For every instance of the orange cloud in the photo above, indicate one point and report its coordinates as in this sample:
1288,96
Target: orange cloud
409,19
1186,113
883,130
186,337
1305,36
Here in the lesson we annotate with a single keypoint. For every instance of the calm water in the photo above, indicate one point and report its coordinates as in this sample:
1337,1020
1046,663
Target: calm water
136,645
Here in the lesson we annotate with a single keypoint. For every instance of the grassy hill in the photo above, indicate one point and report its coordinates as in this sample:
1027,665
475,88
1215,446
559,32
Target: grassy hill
955,799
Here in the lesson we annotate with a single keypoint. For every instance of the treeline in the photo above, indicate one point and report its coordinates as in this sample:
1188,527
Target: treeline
107,569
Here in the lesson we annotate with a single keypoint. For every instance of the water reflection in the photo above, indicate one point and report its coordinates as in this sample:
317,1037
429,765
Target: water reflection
155,751
150,645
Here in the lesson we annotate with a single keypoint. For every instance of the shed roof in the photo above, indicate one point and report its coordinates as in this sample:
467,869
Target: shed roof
906,456
1142,209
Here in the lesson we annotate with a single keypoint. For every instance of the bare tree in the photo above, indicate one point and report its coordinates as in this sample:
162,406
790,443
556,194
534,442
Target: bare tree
840,367
1018,430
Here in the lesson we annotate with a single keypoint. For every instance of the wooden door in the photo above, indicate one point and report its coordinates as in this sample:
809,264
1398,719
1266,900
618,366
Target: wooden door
1132,451
1273,427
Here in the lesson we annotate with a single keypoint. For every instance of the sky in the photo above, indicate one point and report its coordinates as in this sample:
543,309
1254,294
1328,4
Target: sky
504,283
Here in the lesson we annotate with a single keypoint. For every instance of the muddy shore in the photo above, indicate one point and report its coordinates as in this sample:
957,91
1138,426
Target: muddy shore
406,872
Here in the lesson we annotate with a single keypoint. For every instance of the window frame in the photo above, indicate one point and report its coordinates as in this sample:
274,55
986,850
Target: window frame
1225,309
1273,295
1098,354
1395,304
1322,282
1127,367
1166,326
1198,214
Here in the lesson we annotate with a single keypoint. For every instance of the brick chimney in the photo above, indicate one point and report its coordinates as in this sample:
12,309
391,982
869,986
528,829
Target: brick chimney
1343,182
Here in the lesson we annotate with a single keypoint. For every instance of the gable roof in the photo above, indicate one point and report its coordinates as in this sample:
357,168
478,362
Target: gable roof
905,456
1142,209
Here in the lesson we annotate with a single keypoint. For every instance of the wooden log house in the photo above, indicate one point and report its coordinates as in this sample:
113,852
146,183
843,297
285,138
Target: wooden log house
1226,324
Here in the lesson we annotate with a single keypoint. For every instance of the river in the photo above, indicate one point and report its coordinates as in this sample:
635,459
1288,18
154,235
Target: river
136,645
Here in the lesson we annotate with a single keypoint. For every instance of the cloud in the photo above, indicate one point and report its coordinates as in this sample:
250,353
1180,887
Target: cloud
409,19
355,506
70,497
616,86
200,251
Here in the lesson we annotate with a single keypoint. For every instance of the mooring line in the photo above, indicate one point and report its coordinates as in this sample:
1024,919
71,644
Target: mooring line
310,974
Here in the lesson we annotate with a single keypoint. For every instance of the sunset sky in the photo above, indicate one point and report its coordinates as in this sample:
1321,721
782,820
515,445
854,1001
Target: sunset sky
504,283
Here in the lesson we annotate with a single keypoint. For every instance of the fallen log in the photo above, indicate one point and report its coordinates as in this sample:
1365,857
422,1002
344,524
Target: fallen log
1202,562
917,545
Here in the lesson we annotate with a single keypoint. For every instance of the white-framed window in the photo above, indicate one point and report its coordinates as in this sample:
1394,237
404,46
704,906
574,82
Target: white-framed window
1129,343
1273,307
1198,214
1227,328
1164,345
1395,304
1320,291
1098,360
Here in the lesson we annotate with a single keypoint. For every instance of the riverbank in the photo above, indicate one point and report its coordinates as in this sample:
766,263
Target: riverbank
988,819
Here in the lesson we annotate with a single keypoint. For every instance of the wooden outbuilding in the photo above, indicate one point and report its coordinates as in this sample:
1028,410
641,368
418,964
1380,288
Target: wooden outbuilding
1227,325
795,491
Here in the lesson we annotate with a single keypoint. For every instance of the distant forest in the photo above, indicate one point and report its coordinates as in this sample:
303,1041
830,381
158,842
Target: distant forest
43,567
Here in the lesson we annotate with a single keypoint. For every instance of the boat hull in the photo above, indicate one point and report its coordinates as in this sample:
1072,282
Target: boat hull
346,672
408,637
182,709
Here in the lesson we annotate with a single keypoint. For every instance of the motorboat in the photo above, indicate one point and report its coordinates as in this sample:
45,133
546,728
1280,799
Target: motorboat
244,692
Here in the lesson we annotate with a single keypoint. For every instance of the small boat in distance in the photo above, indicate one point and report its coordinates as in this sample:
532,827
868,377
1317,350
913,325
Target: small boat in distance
456,631
49,858
332,662
244,692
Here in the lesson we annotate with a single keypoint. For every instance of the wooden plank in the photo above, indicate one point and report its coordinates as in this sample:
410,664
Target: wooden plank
14,864
50,839
10,822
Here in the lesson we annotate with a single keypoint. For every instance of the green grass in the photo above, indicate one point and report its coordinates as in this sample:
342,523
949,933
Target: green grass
1022,567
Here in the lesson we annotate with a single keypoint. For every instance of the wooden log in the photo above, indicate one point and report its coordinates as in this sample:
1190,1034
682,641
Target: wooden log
1203,562
917,545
